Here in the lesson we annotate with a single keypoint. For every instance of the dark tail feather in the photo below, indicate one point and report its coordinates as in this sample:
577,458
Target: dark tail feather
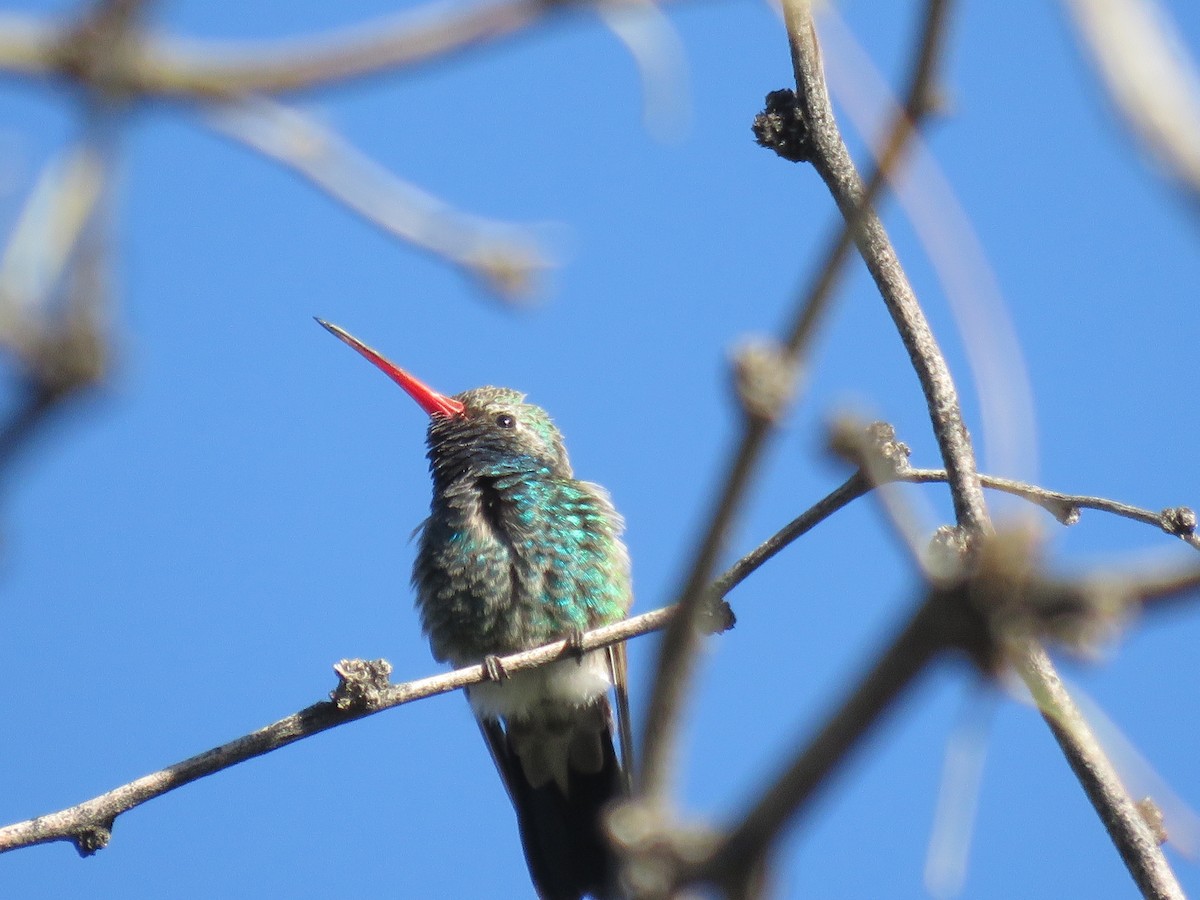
562,836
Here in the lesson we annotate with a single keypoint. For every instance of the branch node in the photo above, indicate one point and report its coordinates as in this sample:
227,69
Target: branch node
765,378
65,358
716,617
1179,521
509,269
1005,595
92,838
872,448
781,127
657,853
881,440
1066,513
362,683
1152,815
947,554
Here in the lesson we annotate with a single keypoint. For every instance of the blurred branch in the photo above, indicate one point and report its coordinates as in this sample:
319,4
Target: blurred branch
29,46
994,614
55,270
53,286
1149,76
200,69
503,257
916,644
220,70
1011,593
821,144
1007,602
857,485
766,376
44,241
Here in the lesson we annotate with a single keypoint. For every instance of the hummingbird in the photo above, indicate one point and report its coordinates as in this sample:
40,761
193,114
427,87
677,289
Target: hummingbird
516,553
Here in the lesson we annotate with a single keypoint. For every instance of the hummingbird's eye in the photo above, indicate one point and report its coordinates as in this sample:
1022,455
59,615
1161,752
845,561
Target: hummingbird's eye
504,420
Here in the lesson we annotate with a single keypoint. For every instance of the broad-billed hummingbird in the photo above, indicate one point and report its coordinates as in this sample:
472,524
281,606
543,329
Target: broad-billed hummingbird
517,553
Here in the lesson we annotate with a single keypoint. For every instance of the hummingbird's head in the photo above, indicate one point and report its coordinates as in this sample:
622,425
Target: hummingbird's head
486,432
497,433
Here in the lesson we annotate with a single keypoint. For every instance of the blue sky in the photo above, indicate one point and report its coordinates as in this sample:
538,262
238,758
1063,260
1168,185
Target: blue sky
187,555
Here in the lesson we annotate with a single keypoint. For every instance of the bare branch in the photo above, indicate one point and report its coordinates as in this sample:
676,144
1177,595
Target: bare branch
850,490
677,654
993,615
832,160
503,257
837,169
1135,840
199,69
88,825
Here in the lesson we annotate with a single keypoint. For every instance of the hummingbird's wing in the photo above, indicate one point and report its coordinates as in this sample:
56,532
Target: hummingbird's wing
618,670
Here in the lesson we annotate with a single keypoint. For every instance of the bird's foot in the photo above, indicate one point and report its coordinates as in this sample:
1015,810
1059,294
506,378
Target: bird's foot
575,644
493,669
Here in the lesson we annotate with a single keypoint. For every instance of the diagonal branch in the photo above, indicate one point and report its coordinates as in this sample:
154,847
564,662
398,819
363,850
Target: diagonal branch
363,691
503,257
832,160
774,367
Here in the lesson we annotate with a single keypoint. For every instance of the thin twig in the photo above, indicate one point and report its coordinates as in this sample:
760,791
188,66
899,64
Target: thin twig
681,640
832,160
850,490
1179,521
89,824
1057,503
